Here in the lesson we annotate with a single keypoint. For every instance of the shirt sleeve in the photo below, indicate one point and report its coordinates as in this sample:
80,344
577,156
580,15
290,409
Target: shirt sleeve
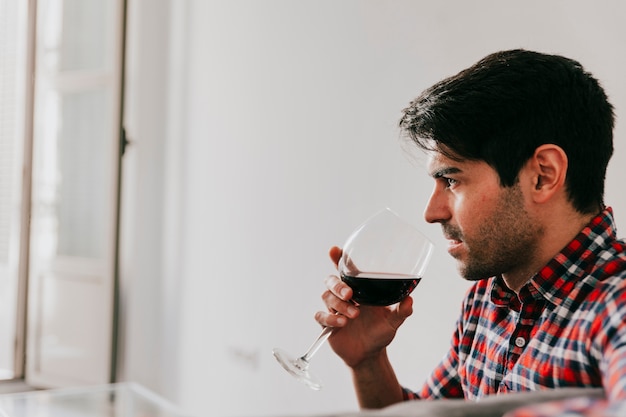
610,343
614,370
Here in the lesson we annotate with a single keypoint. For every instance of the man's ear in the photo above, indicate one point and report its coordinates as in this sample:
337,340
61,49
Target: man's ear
548,169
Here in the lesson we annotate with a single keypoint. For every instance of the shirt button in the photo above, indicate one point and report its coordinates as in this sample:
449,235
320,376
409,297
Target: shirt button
520,341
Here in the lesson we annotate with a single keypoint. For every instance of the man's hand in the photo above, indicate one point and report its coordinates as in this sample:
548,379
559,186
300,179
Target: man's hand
361,332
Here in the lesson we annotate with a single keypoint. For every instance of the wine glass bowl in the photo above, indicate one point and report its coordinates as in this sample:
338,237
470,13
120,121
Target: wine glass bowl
383,260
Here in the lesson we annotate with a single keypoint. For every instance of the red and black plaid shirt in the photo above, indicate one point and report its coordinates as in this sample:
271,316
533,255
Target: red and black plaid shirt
566,328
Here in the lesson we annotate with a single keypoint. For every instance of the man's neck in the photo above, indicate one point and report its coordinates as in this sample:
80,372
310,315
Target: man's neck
559,232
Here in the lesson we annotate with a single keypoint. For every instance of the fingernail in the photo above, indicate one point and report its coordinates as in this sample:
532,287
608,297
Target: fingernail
352,311
344,292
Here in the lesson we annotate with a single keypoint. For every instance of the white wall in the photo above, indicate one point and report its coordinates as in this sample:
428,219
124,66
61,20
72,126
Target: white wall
263,132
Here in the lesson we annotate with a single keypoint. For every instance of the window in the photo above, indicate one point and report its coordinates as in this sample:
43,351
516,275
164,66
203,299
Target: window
70,193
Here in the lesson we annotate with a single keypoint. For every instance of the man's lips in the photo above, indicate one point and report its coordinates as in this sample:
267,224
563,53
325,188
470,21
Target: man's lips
454,245
454,238
454,242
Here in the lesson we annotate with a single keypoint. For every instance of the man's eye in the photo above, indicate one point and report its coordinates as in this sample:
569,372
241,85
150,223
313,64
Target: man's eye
450,182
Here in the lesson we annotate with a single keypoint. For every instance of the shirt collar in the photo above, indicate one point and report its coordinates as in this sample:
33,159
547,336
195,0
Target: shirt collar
555,281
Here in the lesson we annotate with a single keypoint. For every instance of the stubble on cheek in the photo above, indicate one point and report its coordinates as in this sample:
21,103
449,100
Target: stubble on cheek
502,242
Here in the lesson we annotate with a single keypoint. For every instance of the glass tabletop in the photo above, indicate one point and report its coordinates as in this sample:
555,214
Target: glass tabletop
124,399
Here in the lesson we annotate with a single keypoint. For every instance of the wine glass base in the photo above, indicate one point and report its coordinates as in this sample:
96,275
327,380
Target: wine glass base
298,368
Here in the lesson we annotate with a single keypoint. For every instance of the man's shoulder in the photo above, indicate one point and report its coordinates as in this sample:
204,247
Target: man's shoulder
610,263
606,281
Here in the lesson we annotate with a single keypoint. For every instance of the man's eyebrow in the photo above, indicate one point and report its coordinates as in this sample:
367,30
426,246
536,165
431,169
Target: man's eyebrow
444,171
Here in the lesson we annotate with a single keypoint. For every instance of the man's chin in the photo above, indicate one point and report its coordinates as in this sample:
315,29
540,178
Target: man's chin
471,275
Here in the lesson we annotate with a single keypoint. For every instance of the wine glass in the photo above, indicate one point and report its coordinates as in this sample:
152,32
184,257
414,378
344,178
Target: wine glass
383,260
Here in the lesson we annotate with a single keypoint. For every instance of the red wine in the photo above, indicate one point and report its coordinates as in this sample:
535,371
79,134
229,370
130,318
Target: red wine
380,289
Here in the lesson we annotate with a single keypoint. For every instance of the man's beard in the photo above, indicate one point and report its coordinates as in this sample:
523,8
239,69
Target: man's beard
504,242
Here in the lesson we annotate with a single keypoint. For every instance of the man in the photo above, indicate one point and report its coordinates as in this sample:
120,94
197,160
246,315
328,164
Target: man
518,147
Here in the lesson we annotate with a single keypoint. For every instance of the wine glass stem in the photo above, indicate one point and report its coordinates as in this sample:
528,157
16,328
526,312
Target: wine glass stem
317,344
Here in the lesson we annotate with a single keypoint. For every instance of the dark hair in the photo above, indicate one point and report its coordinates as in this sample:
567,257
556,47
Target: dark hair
509,103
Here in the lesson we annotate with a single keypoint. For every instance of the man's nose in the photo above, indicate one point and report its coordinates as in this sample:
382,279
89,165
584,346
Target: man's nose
437,209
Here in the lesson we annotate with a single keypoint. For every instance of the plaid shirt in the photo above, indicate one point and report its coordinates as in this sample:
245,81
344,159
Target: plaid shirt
565,328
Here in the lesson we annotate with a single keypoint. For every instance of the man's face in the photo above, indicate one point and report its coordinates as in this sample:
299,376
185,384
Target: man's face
487,226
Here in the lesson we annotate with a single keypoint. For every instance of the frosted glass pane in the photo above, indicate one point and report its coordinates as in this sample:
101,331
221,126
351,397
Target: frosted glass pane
76,34
73,174
85,175
86,34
